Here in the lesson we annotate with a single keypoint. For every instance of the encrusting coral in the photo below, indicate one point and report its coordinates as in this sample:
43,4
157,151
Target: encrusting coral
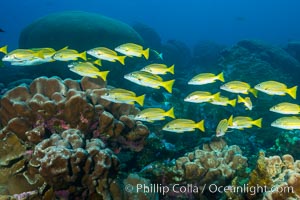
59,138
279,176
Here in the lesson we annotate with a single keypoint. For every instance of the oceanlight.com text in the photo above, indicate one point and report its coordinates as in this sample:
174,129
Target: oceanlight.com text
212,188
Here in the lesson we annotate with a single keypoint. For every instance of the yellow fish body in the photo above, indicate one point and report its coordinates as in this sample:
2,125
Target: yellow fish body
22,55
87,69
104,53
286,108
154,114
3,49
222,128
223,101
149,80
118,95
242,122
205,78
238,87
246,101
183,125
276,88
289,123
201,96
131,49
69,54
158,69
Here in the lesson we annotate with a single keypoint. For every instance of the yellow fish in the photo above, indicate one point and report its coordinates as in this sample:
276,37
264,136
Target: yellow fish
289,123
222,128
104,53
238,87
286,108
119,95
3,49
154,114
69,54
149,80
87,69
183,125
223,101
22,55
242,122
205,78
276,88
158,69
131,49
201,96
246,101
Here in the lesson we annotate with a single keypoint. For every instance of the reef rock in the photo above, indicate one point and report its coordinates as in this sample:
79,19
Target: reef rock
255,60
293,48
78,30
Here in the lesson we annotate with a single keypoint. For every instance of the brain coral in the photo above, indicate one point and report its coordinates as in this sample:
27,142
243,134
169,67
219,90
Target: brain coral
78,30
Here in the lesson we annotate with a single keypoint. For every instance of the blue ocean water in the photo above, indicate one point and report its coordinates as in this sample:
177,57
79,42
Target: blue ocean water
226,22
102,140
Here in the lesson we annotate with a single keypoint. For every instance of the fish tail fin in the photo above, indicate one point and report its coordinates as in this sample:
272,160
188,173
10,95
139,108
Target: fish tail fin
240,99
292,92
98,62
232,102
221,77
140,100
121,59
168,85
217,96
161,56
230,120
146,53
83,55
40,54
200,126
4,49
171,69
103,74
253,91
170,113
257,122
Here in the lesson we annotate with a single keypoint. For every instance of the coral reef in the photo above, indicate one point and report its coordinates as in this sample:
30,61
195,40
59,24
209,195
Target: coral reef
59,138
279,176
93,30
293,48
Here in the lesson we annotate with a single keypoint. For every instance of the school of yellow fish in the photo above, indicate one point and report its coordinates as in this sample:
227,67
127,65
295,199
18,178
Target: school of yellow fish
150,76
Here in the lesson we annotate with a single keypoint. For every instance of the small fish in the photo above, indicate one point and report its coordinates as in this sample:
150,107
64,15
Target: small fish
131,49
157,54
1,30
149,80
154,114
104,53
201,96
69,54
242,122
158,69
276,88
246,101
3,49
238,87
286,108
289,123
205,78
22,55
183,125
223,101
119,95
222,128
87,69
